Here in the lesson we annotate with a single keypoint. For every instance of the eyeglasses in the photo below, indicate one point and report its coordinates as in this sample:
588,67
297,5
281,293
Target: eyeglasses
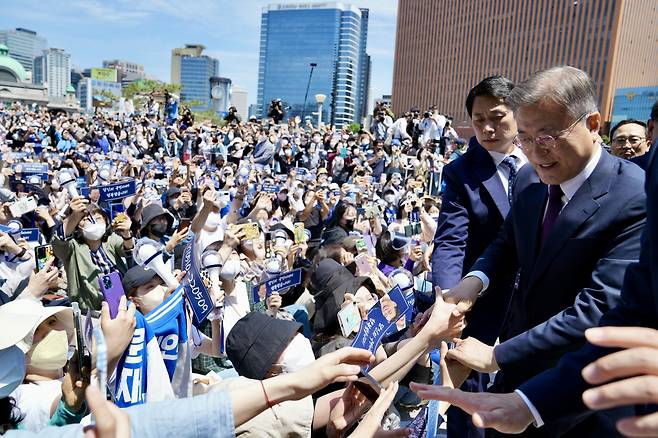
633,141
527,143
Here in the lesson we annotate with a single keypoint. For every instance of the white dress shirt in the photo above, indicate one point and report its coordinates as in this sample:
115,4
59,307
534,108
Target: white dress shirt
569,188
503,169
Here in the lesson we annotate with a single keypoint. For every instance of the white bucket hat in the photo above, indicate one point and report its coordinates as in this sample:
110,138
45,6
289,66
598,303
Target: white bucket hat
20,318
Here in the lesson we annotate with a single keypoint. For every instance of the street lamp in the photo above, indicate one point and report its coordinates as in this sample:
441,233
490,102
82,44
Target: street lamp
319,98
308,85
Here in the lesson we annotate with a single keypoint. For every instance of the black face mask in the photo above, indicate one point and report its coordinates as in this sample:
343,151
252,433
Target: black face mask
349,224
159,230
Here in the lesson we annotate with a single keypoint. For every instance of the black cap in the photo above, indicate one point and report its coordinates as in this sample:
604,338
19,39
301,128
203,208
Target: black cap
333,235
256,341
136,277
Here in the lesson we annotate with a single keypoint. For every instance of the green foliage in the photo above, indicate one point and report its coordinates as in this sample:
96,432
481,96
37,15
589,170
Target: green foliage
355,128
201,116
149,86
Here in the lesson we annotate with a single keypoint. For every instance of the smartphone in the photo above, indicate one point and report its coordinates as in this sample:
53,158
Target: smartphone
298,232
361,245
112,289
349,319
184,223
363,263
368,385
83,356
42,254
23,206
251,231
224,197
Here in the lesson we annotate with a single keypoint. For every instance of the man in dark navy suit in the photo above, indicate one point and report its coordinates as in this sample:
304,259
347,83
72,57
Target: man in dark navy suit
571,237
477,198
555,395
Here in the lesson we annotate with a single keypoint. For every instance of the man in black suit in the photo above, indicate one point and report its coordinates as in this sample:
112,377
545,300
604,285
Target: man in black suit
571,236
476,200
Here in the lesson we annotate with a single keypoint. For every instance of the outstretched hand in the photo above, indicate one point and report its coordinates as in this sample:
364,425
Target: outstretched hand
634,373
506,413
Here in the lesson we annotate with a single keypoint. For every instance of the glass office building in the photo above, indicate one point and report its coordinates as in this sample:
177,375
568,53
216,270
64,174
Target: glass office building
633,103
24,45
195,74
331,35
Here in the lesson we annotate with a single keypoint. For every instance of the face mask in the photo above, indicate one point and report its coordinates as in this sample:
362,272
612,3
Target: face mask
297,354
288,153
389,198
51,352
159,230
213,220
230,270
153,298
272,266
349,224
94,231
402,279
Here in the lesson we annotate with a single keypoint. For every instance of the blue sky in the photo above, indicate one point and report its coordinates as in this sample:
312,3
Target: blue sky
145,31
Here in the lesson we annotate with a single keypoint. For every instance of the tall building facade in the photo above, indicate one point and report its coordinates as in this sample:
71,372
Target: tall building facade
330,35
195,74
24,45
440,53
53,68
126,70
239,101
178,53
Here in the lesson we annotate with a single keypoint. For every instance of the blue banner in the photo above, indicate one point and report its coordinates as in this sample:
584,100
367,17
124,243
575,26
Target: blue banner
40,169
195,289
271,188
30,234
276,284
112,192
381,318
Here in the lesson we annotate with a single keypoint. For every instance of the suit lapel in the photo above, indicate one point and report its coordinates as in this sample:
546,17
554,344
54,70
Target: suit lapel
488,174
533,212
580,208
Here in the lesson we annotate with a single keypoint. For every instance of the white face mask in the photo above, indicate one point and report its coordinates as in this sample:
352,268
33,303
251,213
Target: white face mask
389,198
297,354
273,266
214,220
153,298
94,231
230,270
51,353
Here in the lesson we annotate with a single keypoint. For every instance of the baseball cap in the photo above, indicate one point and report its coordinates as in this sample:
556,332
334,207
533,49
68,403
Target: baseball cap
256,341
136,277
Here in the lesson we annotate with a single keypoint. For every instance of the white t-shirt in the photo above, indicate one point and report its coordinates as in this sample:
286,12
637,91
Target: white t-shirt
236,305
35,400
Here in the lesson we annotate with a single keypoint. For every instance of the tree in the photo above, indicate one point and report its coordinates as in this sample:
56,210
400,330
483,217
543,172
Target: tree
149,86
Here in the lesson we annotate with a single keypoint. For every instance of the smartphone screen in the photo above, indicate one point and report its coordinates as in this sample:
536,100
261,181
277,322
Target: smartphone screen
184,223
42,254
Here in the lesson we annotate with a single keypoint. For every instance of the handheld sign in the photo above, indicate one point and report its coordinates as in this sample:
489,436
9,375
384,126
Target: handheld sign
112,192
381,318
276,284
30,234
271,188
40,169
196,291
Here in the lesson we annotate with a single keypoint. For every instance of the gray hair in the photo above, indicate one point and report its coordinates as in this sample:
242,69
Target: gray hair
568,87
